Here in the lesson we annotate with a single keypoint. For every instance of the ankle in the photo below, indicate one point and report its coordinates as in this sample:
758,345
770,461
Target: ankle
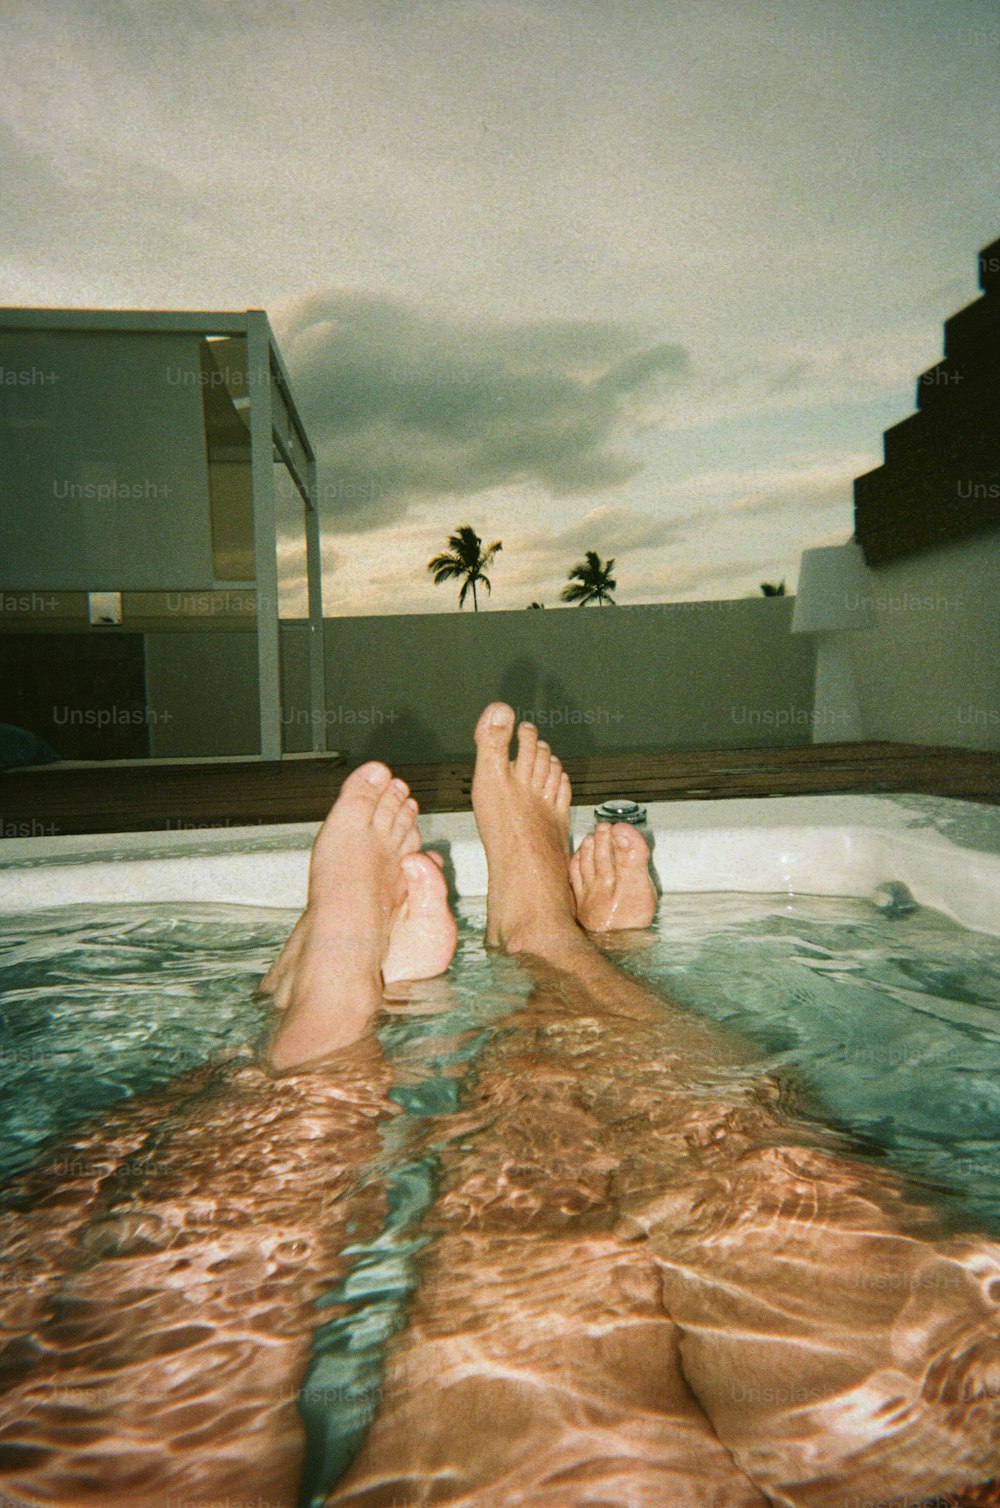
320,1021
549,937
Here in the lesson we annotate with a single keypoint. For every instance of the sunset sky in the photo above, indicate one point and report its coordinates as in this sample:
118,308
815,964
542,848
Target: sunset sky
639,276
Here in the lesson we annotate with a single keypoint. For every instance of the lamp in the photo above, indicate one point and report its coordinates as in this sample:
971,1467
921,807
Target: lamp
834,597
833,594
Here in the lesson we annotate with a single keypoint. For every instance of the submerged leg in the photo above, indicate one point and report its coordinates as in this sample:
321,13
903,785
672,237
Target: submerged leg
377,911
538,1365
836,1338
157,1305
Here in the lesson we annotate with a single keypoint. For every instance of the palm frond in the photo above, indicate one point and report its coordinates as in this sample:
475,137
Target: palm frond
465,558
590,581
578,591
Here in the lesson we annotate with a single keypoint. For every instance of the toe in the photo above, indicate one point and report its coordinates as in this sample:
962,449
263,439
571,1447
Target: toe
405,833
388,806
366,782
493,734
586,852
603,861
631,848
551,790
426,887
527,745
564,795
542,766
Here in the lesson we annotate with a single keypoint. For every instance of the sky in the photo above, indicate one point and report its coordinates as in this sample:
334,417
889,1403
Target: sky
648,277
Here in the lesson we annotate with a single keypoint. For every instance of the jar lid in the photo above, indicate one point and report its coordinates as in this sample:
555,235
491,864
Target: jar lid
620,809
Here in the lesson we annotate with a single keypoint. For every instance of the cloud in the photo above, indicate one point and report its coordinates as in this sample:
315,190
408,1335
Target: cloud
673,581
610,529
794,488
293,588
406,405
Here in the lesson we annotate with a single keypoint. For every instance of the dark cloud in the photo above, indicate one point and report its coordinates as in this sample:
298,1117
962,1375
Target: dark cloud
404,405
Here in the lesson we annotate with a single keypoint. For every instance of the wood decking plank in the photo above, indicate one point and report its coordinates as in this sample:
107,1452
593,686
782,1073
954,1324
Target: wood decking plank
38,802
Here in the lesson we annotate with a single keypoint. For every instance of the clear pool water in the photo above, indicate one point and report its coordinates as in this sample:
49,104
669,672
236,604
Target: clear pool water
887,1028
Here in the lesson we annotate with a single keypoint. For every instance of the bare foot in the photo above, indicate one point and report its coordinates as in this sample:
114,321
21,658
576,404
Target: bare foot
522,813
610,877
329,975
422,937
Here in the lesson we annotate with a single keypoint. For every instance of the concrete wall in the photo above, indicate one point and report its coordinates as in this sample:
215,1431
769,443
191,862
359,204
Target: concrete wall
929,672
704,675
201,693
681,676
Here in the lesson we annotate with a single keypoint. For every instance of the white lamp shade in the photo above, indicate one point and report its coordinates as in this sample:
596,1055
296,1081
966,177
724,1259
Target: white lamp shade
834,592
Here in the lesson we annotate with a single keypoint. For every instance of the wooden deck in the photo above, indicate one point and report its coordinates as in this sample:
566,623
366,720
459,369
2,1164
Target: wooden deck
93,799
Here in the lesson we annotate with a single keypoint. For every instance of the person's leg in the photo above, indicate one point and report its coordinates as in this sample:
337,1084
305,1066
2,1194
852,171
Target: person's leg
837,1340
157,1301
377,912
612,886
522,813
538,1365
160,1274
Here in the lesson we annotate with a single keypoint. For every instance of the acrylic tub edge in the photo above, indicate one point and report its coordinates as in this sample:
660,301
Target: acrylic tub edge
947,852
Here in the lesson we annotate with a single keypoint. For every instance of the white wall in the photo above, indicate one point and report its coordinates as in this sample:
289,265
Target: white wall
103,470
929,671
708,675
681,676
201,693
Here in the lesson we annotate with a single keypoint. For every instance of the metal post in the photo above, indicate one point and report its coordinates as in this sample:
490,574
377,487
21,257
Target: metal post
264,532
317,657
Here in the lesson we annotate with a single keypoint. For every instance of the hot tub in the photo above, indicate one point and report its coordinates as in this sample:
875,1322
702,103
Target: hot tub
231,1288
946,852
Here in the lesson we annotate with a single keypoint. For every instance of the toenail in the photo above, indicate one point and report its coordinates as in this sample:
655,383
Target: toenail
498,716
621,841
374,775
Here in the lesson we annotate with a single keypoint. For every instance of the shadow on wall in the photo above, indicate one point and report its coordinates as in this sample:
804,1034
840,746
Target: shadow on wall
403,735
408,689
398,734
545,699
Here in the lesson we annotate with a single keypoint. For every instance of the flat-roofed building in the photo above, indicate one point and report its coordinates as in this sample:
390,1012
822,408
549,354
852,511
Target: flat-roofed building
147,462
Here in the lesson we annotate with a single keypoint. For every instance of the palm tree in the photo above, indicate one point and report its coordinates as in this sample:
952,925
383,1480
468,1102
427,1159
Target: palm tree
466,558
773,588
590,582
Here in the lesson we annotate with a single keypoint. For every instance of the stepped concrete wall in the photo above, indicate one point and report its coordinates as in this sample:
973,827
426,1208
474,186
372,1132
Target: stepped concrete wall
940,479
929,671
